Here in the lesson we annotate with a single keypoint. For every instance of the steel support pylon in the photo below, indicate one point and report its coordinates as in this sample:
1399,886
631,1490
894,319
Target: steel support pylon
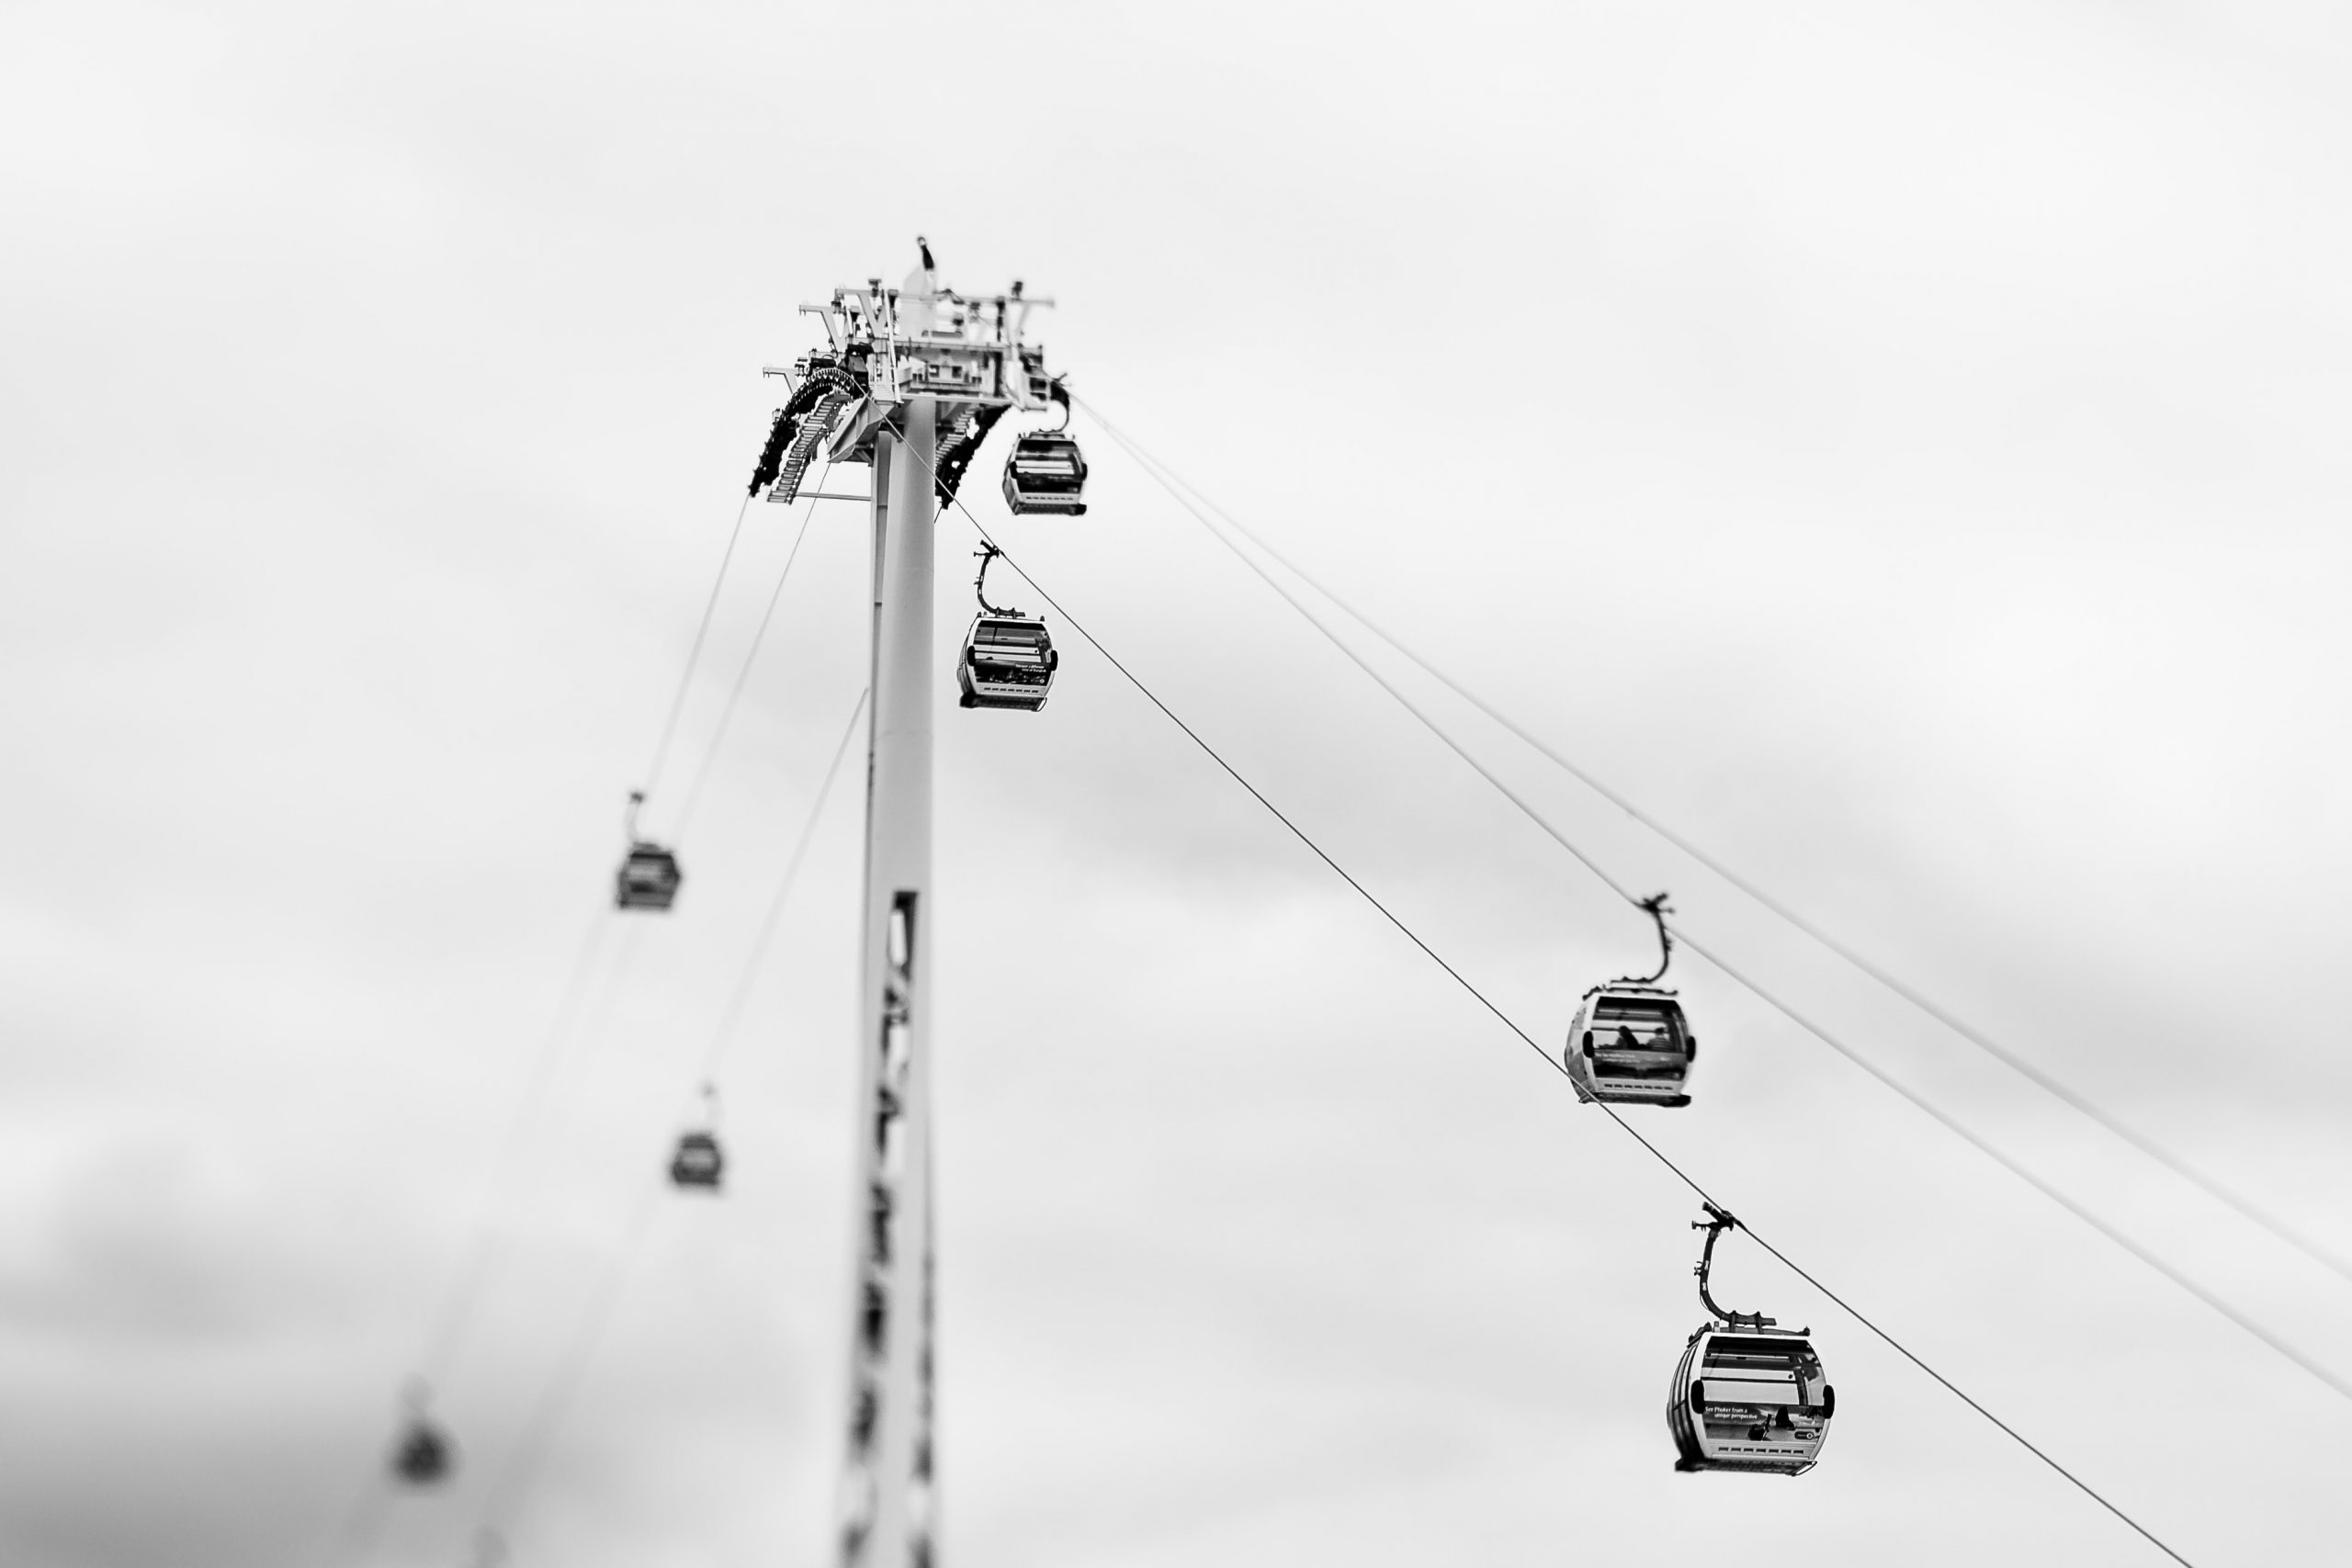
889,1508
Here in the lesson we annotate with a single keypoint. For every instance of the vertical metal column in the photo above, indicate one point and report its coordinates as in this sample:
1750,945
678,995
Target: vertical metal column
887,1487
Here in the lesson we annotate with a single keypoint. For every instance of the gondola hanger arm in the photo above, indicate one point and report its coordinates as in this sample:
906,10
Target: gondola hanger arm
988,552
1658,909
1717,1222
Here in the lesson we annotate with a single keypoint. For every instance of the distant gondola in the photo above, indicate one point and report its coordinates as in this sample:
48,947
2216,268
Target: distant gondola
697,1161
423,1454
423,1457
649,877
1629,1043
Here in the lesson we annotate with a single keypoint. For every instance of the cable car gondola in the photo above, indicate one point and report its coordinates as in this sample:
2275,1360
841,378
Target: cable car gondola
423,1455
1009,657
698,1162
1629,1043
1746,1395
649,877
1045,471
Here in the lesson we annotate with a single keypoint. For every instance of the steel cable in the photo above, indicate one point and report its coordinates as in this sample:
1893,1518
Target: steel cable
693,653
743,674
538,1436
2019,1171
544,1421
479,1255
472,1275
2211,1186
1529,1040
725,1032
1942,1119
441,1341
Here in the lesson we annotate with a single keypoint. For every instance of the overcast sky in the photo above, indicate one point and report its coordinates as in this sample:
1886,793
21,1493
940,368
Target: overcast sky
1900,447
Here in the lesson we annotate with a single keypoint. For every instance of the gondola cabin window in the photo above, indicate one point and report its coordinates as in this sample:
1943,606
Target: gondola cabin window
1759,1372
1629,1023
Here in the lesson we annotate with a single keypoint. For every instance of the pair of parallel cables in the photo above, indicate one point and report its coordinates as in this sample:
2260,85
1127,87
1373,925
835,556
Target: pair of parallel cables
1199,507
479,1255
1460,979
541,1427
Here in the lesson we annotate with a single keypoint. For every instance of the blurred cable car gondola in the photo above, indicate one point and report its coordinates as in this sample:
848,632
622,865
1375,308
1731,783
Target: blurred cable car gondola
1009,657
1746,1395
649,877
698,1162
1629,1043
423,1455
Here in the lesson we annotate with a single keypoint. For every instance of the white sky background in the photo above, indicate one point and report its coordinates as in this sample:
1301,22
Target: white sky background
1902,451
